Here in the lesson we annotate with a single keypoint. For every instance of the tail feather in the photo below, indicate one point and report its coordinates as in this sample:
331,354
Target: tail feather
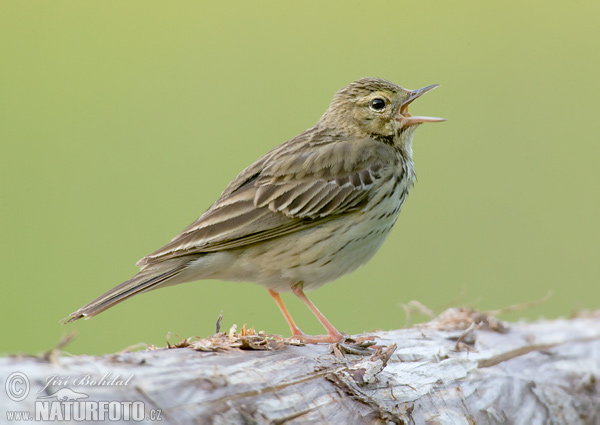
145,280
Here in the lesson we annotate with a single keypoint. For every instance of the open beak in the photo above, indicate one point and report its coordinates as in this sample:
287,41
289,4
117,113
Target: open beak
405,118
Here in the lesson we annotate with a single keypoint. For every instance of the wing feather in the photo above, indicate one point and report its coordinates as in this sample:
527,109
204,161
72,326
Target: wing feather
302,183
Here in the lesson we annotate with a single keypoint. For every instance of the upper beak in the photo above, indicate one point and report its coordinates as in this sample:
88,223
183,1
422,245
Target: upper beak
406,118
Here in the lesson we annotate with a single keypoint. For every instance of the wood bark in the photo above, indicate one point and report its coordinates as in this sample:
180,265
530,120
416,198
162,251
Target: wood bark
462,368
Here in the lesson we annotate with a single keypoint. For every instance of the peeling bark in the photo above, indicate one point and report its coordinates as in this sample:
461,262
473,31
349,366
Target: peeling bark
453,370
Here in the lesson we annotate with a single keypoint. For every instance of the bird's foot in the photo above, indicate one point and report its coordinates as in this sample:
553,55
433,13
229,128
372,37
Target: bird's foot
319,339
361,339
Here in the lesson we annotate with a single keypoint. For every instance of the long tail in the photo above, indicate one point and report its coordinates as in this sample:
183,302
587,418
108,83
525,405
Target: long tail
145,280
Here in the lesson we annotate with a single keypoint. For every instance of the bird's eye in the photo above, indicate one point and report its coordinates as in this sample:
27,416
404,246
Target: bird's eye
377,104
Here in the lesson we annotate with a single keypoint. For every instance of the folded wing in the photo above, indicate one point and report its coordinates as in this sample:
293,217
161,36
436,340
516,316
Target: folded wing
296,186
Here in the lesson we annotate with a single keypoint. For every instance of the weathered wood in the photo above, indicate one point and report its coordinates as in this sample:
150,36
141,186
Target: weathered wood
528,373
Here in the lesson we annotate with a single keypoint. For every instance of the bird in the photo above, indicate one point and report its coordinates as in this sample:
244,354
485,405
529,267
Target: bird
307,212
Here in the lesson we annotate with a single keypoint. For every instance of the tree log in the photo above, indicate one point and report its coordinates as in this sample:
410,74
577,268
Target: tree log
462,368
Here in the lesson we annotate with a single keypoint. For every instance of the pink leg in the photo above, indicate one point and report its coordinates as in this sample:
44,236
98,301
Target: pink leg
333,335
286,314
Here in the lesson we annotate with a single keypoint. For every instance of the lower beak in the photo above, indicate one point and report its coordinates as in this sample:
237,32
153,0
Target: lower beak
406,118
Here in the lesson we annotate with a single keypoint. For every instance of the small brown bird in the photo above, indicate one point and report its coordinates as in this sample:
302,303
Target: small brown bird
309,211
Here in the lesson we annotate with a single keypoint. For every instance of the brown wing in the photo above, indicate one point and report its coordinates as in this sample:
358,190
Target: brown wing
300,184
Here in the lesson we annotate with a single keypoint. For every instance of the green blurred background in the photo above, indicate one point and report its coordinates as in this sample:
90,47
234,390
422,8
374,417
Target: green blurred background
122,121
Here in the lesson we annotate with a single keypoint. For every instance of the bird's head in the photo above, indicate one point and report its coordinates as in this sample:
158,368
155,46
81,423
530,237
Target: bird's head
376,108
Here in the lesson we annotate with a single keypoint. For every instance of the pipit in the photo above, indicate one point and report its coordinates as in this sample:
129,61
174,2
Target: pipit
309,211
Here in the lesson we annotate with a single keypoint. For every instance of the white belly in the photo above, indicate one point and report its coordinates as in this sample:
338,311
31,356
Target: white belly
314,256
